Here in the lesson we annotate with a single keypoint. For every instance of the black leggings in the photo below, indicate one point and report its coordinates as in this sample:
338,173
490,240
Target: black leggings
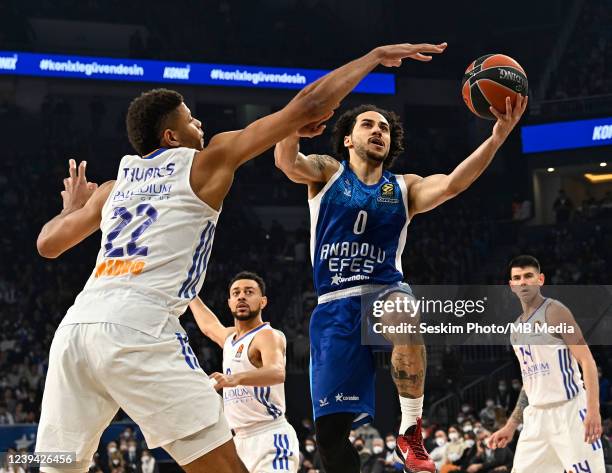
337,453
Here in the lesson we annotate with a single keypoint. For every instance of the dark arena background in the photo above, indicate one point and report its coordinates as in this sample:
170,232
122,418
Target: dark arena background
548,191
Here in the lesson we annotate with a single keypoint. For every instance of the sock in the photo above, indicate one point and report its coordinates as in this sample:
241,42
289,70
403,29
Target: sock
411,409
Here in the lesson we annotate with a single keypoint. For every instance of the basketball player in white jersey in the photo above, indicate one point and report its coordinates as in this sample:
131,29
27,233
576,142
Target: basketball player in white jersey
121,344
252,378
560,416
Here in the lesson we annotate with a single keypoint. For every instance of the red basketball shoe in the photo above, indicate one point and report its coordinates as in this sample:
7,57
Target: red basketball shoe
412,453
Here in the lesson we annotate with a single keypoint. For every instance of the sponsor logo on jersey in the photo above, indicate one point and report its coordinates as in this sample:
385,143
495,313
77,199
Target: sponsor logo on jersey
323,402
353,257
347,189
337,279
237,394
340,397
239,352
119,267
387,194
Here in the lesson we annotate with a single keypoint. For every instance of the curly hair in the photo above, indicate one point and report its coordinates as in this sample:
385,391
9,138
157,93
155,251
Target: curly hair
346,122
146,118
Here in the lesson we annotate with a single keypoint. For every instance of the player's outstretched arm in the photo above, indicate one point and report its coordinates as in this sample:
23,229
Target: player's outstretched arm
429,192
271,345
503,436
558,315
80,216
208,322
226,151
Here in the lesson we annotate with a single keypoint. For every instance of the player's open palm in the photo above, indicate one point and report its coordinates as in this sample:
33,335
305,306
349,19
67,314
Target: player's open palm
392,55
502,437
507,121
77,190
592,426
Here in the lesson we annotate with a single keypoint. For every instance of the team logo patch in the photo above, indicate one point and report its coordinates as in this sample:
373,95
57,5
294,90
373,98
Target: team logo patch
239,351
387,194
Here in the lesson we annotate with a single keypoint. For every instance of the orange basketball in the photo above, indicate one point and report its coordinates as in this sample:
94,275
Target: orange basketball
489,80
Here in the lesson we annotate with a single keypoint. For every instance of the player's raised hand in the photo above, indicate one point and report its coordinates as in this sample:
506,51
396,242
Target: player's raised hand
77,190
223,380
508,120
592,426
502,437
392,55
314,128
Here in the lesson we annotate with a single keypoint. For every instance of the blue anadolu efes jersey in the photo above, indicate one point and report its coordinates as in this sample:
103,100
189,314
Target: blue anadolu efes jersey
358,232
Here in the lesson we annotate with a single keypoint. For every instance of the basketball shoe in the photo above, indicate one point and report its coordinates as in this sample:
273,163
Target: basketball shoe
412,453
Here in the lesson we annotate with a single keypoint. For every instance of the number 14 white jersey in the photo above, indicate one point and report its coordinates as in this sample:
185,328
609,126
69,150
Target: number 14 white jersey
157,237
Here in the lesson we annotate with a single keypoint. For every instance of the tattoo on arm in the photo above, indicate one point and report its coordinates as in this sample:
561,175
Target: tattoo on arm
521,403
320,161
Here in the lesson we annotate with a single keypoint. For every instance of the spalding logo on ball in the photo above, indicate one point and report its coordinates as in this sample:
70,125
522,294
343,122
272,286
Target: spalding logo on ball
489,80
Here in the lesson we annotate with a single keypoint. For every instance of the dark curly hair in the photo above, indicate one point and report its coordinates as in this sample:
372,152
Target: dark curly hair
146,118
249,275
346,122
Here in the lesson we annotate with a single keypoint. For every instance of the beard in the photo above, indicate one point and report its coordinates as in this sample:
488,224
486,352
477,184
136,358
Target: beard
251,315
362,150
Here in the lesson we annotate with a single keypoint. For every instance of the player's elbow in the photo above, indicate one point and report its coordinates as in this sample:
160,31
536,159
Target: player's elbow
46,249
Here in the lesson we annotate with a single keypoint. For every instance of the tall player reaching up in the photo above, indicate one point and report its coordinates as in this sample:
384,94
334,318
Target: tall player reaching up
359,215
121,343
252,378
560,415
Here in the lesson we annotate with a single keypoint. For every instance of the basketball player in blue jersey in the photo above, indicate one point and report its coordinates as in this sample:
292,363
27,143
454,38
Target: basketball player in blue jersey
121,344
253,377
359,217
559,412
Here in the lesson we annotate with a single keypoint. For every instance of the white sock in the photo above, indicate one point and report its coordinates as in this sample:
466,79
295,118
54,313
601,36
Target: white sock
411,409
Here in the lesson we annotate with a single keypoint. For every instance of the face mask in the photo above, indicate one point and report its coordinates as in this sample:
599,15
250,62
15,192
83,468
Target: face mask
470,443
391,445
377,449
440,441
359,447
502,387
467,428
460,419
465,409
491,403
351,439
116,462
112,449
126,435
132,449
485,442
452,436
145,459
310,448
516,386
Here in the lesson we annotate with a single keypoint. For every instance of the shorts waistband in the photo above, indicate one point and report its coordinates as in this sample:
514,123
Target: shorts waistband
350,292
261,427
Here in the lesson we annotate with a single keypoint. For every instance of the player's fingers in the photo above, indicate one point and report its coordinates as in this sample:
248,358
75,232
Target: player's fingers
495,113
81,171
92,186
508,109
431,48
421,57
64,194
72,168
66,183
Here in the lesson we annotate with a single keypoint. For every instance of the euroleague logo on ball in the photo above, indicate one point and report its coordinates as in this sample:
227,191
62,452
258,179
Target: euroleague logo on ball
489,80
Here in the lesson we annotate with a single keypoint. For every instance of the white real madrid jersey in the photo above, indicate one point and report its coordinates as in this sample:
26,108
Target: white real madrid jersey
550,372
157,237
246,406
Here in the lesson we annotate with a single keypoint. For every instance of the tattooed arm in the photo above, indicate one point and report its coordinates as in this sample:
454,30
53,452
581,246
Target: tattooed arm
503,436
314,170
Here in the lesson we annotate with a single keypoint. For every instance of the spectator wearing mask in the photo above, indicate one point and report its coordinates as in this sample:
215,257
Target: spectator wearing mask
364,453
377,461
471,449
487,415
488,460
132,457
502,397
391,463
437,454
467,410
454,448
467,426
148,463
311,454
516,390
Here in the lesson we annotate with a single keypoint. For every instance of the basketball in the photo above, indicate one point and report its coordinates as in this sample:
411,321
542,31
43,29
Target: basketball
489,80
